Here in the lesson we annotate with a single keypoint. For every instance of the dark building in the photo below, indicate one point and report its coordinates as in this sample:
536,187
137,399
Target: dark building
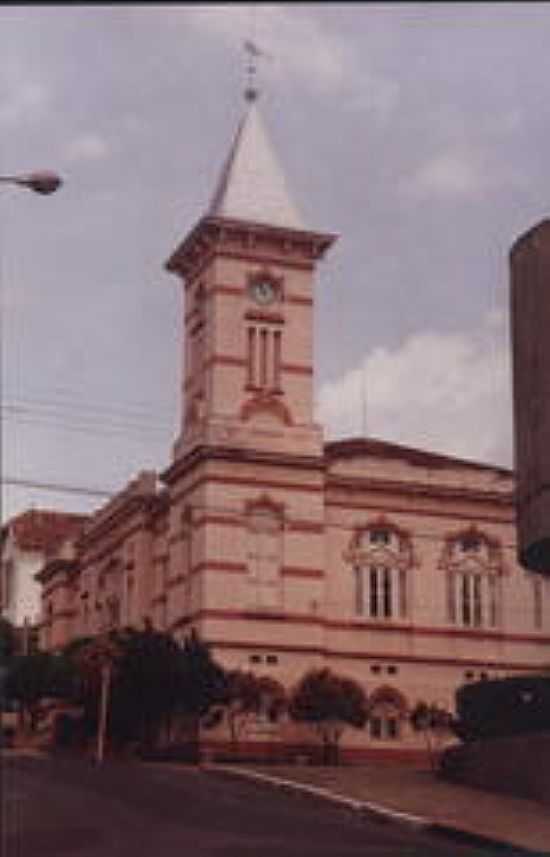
530,321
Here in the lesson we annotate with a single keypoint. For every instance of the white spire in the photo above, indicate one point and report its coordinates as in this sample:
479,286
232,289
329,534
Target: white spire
252,186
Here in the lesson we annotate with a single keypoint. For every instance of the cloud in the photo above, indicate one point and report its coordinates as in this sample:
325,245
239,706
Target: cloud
375,94
86,147
459,173
449,392
22,102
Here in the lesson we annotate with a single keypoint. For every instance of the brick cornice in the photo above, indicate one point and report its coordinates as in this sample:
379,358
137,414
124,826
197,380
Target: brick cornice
436,510
244,240
354,485
359,626
368,657
204,452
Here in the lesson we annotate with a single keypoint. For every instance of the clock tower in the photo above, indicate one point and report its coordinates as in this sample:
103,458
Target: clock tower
248,267
246,533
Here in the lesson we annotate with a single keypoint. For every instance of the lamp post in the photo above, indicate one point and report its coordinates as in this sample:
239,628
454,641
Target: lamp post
43,182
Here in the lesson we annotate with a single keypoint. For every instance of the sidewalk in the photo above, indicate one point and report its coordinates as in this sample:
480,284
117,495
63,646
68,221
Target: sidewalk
416,797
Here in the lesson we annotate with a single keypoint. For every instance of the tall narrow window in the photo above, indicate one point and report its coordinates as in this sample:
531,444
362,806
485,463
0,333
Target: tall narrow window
381,559
477,600
402,592
359,593
373,592
451,597
263,358
251,362
387,592
473,566
492,587
466,600
277,359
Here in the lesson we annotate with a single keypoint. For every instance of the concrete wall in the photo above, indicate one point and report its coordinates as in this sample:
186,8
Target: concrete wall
519,765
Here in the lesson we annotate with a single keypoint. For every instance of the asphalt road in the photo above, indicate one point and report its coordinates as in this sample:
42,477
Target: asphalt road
68,808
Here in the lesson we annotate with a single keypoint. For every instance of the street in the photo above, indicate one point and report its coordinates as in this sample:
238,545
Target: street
53,808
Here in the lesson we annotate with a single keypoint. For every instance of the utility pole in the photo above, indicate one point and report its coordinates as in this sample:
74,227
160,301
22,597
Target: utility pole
103,709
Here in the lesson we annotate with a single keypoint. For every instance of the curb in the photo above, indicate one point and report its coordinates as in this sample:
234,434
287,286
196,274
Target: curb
381,814
368,808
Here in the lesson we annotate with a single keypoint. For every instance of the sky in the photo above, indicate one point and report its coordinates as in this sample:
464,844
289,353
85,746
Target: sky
417,132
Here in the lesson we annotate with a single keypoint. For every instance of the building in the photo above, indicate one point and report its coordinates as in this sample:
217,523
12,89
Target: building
27,541
392,565
530,316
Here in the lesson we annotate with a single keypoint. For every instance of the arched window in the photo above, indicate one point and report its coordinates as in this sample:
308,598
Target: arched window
381,557
473,566
264,553
387,712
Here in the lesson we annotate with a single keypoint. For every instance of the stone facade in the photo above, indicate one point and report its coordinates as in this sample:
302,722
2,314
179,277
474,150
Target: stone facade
391,565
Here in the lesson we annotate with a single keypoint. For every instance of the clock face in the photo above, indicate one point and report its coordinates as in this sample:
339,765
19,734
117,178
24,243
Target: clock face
263,292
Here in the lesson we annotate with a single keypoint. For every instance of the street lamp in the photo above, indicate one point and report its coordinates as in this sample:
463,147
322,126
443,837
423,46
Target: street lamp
43,182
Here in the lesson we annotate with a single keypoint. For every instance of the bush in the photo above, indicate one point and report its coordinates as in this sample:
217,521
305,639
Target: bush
328,703
499,707
68,731
7,736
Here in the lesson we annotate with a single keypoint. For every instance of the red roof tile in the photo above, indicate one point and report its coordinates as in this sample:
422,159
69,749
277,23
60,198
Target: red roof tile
44,530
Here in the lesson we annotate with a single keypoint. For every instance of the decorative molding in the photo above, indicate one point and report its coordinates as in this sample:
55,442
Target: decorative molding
220,566
360,484
266,403
296,369
360,655
264,316
306,527
362,627
224,360
435,511
295,571
299,300
386,694
485,554
264,501
359,554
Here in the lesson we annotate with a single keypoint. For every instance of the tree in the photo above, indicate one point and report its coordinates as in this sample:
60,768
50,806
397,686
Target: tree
247,696
328,703
151,678
203,683
34,677
148,685
434,721
8,640
130,683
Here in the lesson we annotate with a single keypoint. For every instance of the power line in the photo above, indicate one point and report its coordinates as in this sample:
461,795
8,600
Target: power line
148,413
61,488
99,430
73,396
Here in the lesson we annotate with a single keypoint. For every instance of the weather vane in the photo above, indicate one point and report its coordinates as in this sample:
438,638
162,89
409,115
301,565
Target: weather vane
253,54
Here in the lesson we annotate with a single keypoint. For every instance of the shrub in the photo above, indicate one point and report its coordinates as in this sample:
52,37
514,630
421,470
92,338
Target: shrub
499,707
328,703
